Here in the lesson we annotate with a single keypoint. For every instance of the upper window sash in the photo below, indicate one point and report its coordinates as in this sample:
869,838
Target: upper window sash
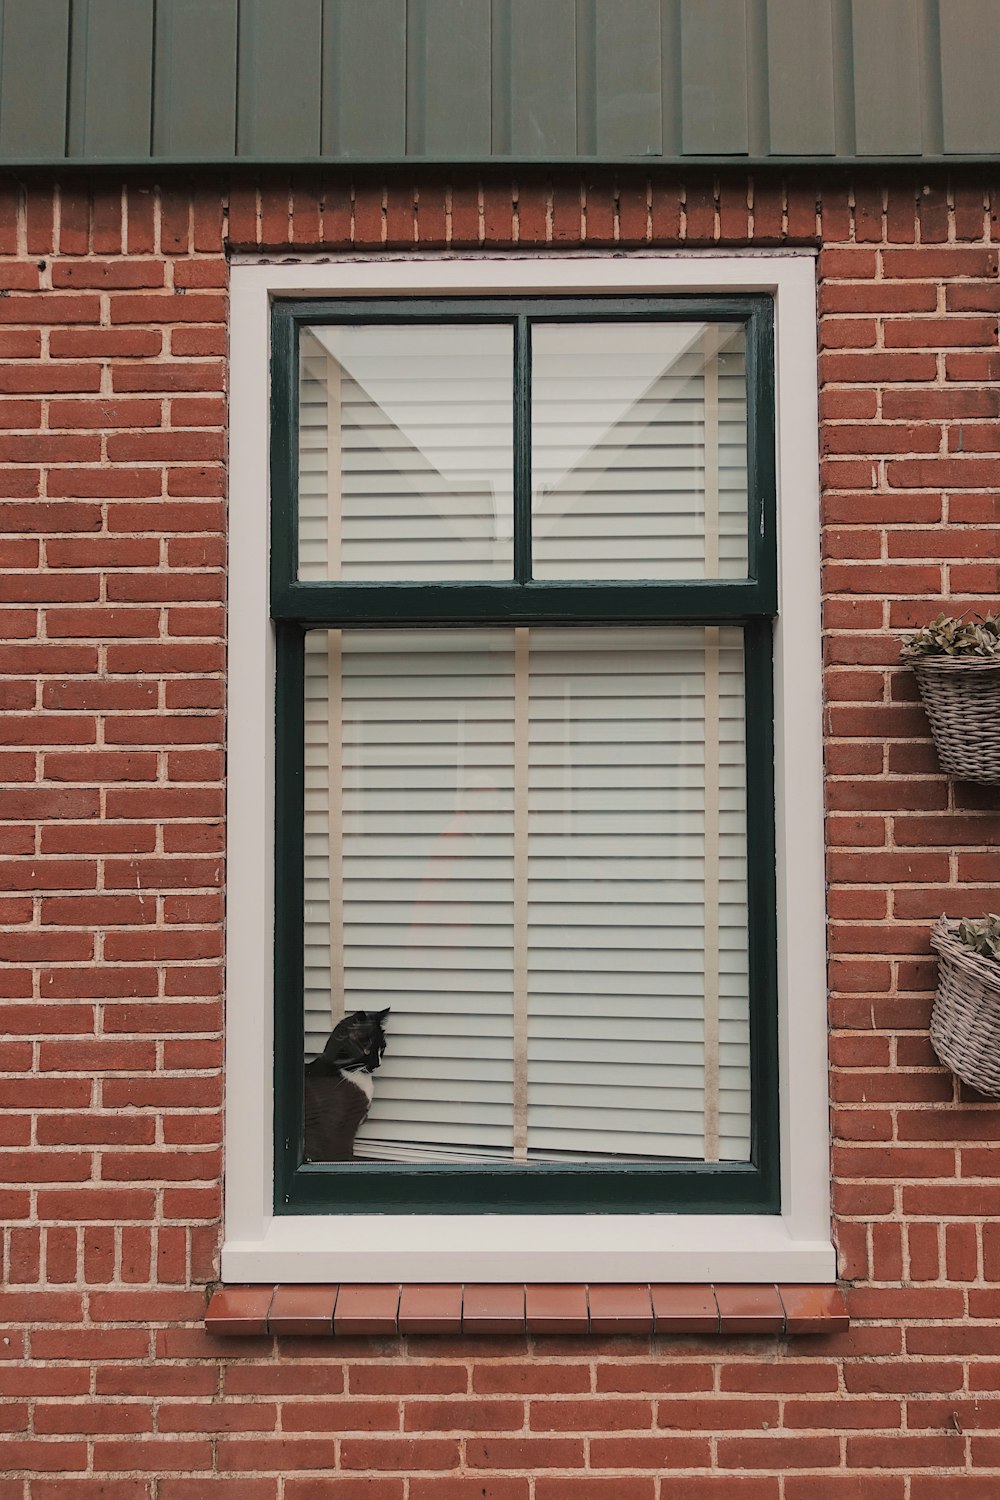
522,599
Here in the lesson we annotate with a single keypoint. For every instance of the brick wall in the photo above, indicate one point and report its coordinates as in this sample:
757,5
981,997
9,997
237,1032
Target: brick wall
112,476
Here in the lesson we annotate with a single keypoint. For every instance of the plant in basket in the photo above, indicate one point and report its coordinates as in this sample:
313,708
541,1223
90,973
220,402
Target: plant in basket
957,667
965,1021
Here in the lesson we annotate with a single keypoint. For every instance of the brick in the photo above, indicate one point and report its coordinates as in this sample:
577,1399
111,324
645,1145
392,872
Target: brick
49,307
589,1414
869,367
527,1453
152,1455
846,1487
102,765
779,1451
105,484
955,1484
89,1418
699,208
197,341
591,1487
934,265
42,1457
641,1452
107,273
198,307
167,377
876,297
940,333
978,366
343,1487
219,1488
104,343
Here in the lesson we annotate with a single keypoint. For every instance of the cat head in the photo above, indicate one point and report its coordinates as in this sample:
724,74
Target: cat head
358,1041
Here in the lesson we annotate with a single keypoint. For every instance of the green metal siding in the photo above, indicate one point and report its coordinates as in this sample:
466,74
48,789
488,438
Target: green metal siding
970,46
195,80
800,87
886,47
714,78
364,79
628,96
279,81
449,78
110,78
387,81
540,103
34,54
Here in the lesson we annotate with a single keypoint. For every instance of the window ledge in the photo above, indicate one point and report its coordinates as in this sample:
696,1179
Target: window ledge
517,1308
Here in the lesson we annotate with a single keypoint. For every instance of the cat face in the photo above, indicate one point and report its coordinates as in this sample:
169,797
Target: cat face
358,1041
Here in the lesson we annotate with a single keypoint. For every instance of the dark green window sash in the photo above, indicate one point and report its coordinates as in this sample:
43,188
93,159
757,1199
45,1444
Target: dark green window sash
663,599
658,1187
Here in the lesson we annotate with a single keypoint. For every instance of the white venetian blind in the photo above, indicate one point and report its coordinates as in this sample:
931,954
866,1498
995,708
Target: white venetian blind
637,895
424,862
406,453
537,859
639,451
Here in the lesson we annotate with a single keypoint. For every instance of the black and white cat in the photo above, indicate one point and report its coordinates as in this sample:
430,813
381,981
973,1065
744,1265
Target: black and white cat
339,1085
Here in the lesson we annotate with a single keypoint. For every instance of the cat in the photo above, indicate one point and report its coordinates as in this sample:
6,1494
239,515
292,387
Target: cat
339,1085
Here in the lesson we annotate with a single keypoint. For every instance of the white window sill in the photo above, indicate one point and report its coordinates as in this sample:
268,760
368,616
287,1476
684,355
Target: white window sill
528,1247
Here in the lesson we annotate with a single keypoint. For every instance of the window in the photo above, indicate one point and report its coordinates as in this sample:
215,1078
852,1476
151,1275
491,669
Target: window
524,649
523,584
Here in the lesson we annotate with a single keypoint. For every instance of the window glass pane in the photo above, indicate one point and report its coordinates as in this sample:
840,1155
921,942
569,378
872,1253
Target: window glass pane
531,846
639,451
405,453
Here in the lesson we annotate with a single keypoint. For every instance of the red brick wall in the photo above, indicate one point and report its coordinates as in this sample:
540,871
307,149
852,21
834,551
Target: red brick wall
112,539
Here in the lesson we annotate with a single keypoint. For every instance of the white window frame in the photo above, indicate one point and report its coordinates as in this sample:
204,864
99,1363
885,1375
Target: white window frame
794,1245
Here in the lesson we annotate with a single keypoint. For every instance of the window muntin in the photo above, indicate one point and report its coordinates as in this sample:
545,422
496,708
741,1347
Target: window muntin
551,1186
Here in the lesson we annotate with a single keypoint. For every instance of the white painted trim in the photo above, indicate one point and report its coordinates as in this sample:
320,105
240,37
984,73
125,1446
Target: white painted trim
528,1247
613,1247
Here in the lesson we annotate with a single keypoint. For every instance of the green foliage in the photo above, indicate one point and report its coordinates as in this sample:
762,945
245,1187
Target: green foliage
983,937
947,636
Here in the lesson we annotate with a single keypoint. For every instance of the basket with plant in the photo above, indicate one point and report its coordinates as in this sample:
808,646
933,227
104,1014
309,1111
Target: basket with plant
965,1021
957,667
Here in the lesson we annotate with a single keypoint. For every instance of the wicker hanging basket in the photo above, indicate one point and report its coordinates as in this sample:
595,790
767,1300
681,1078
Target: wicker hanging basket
962,699
965,1021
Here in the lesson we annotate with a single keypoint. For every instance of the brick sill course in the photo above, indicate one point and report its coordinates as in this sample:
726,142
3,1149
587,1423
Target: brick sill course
394,1310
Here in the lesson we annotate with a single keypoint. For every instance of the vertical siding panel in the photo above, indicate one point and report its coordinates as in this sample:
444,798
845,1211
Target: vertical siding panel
671,76
364,78
586,77
111,84
843,78
194,97
278,111
451,100
501,77
714,115
758,122
629,87
543,78
800,78
34,61
970,49
887,78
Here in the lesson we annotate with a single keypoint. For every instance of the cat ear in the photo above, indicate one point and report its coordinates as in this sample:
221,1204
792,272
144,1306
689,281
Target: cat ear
380,1015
